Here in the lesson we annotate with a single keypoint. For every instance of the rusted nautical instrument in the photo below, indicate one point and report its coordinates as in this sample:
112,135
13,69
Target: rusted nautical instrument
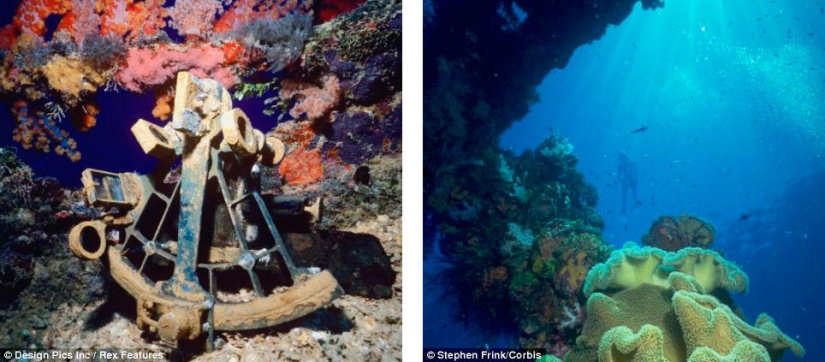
186,249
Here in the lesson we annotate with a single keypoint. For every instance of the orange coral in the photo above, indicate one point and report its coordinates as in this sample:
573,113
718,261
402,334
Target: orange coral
301,167
31,14
115,18
146,17
85,117
163,103
71,76
39,132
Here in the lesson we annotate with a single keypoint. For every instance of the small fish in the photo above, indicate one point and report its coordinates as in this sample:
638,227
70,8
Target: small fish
641,129
675,162
810,34
744,216
758,19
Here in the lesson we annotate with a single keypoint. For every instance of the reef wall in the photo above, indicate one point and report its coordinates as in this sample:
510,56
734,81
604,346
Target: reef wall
520,232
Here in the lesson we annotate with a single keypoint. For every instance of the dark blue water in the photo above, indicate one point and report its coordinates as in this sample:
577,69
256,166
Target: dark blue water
110,145
732,94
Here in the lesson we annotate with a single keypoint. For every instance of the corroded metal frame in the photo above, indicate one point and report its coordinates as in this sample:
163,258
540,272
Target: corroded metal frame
180,307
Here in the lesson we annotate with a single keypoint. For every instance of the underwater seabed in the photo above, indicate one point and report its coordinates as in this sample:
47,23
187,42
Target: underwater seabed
298,196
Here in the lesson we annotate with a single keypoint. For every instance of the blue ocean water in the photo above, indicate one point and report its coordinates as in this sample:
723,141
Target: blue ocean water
729,101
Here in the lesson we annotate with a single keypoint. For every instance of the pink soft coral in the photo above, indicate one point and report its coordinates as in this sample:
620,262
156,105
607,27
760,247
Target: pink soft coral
146,68
194,17
313,101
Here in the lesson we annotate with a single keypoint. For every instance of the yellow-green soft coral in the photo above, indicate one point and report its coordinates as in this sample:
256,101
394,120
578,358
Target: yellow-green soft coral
708,323
631,308
632,266
658,311
742,351
620,344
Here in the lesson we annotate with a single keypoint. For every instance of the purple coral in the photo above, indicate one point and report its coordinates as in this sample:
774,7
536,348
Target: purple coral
351,133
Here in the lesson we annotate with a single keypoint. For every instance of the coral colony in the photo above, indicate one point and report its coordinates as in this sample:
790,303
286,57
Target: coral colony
58,54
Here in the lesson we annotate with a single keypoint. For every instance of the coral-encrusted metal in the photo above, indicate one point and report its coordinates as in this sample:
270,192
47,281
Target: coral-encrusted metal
170,244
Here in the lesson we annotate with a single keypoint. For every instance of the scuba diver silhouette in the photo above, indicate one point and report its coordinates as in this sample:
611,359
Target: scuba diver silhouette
628,176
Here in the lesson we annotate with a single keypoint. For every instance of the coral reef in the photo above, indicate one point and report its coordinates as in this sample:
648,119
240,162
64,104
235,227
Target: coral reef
34,216
256,48
523,232
481,199
58,54
682,319
313,102
675,232
328,128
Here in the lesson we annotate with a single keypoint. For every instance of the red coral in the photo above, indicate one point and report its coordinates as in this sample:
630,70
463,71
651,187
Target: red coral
31,14
301,167
8,36
243,12
232,52
331,9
